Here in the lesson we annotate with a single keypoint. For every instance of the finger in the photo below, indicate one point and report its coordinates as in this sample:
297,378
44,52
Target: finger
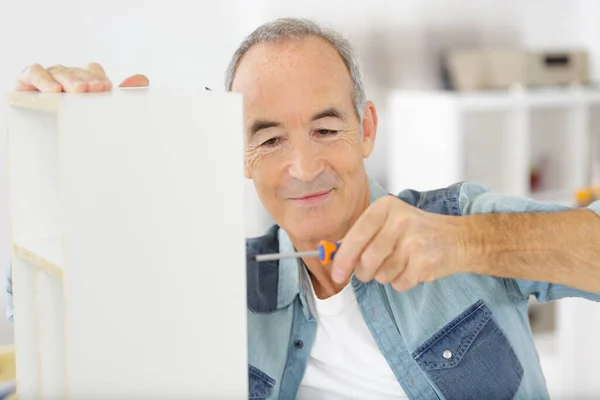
136,81
358,237
378,250
20,86
68,79
36,77
99,72
408,279
94,82
391,268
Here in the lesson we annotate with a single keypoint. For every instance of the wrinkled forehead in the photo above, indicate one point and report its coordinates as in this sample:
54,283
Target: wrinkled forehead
291,79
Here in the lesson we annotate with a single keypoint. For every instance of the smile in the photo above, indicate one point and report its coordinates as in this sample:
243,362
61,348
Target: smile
313,199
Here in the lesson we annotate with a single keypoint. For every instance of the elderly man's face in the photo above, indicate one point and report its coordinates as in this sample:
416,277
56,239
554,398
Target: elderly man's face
304,147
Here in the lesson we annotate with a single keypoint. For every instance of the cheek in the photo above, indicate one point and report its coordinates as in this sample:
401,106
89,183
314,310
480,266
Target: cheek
265,170
344,155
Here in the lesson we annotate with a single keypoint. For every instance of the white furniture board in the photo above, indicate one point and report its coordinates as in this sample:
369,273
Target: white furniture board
33,163
146,224
26,330
52,340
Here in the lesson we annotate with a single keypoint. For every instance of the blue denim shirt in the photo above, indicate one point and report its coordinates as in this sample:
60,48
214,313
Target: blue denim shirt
481,320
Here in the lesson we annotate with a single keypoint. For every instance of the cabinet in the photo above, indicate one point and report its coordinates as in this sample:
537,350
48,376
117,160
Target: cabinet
536,144
128,246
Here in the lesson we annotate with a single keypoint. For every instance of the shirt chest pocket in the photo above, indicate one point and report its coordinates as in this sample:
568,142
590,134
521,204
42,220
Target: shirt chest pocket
471,358
260,384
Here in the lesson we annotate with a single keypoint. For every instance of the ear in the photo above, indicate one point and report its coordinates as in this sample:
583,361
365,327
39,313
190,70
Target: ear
369,127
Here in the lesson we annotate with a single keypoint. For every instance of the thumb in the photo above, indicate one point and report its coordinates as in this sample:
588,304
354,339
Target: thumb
135,81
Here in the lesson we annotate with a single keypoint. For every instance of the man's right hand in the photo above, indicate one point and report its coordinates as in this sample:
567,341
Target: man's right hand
59,78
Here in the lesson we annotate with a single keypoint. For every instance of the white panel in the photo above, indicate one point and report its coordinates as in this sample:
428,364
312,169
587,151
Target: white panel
578,332
515,148
154,245
578,146
50,304
26,330
33,174
486,150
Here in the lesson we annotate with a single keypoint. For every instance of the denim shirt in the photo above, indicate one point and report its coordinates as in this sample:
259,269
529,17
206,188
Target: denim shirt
465,336
461,337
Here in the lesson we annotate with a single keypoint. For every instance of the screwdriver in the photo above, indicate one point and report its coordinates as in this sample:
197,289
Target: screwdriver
325,252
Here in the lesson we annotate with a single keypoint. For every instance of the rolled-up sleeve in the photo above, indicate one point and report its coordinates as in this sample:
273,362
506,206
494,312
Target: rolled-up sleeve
477,199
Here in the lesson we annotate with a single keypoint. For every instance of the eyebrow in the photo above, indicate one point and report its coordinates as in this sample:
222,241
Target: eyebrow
328,112
262,124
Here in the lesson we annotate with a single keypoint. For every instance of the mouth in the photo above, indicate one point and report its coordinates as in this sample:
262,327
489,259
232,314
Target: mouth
312,199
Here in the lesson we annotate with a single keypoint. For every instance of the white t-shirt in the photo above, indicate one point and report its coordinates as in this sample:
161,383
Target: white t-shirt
345,361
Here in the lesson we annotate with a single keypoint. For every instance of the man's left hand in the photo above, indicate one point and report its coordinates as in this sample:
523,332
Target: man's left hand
394,242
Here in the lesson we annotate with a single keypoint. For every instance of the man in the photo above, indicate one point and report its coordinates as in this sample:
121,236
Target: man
427,295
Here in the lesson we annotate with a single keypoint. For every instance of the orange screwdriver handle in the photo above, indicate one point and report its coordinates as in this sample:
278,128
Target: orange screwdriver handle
327,251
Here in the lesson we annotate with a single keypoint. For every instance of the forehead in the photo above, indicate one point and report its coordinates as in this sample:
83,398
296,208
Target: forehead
289,77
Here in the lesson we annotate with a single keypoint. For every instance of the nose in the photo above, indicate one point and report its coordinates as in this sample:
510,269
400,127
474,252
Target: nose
305,163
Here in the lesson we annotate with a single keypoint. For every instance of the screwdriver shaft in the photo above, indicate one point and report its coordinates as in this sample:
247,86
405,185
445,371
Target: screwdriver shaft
279,256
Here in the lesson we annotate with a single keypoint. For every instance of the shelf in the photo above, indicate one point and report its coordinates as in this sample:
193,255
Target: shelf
43,253
505,100
559,197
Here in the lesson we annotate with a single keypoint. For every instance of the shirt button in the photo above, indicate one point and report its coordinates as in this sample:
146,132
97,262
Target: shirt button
298,344
447,354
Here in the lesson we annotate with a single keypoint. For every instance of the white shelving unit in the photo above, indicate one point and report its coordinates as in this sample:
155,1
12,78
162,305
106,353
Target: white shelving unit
123,285
439,138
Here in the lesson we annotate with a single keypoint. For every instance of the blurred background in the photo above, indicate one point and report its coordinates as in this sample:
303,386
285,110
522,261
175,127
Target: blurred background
498,91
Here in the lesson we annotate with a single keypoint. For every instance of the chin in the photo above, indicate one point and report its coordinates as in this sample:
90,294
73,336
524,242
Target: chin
312,228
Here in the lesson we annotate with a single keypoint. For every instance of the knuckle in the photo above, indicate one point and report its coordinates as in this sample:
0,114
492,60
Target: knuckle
56,67
398,284
94,64
399,222
387,273
387,200
411,246
30,69
369,259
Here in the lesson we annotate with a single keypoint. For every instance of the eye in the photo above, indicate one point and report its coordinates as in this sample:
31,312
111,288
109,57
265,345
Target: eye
326,132
271,142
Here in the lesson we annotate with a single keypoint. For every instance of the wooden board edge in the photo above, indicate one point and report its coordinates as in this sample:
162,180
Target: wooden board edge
37,261
48,102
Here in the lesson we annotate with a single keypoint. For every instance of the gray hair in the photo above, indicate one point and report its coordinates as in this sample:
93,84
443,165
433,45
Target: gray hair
297,29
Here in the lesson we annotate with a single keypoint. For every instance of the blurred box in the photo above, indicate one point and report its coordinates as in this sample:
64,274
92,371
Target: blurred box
474,70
